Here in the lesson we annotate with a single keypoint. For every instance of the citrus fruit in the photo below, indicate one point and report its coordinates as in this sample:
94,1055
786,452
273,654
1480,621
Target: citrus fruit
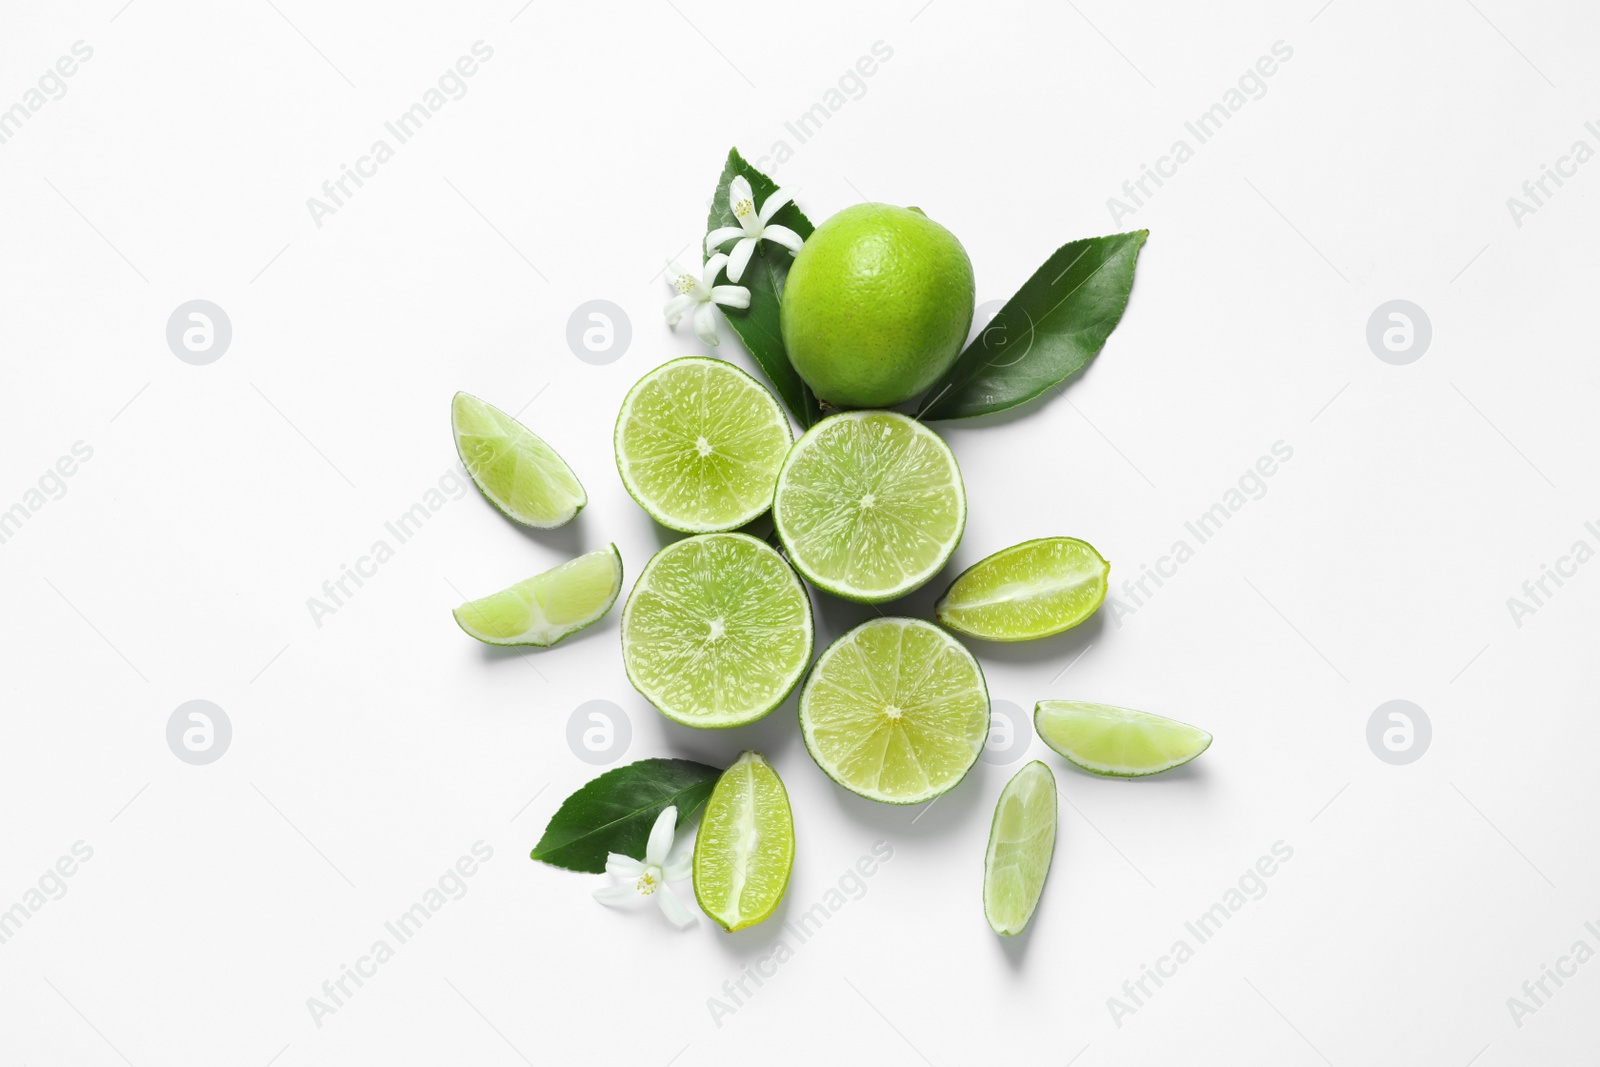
869,505
745,846
717,630
549,606
1022,840
699,443
1034,589
895,710
515,469
877,306
1117,741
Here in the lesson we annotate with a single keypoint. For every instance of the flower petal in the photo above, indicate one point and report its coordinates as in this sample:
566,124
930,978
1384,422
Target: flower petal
655,852
722,235
673,908
740,258
705,325
739,189
732,296
620,866
615,894
784,236
677,870
677,306
774,204
713,267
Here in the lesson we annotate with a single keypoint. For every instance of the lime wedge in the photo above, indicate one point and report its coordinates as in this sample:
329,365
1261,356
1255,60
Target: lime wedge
745,846
1116,741
1022,839
517,471
869,505
1034,589
895,710
548,606
717,630
699,443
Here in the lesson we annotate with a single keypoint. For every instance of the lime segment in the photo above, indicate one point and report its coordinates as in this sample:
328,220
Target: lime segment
1034,589
1022,840
745,847
549,606
870,505
1117,741
717,630
895,710
699,443
515,469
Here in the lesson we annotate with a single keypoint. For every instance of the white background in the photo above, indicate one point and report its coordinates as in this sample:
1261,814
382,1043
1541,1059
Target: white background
371,752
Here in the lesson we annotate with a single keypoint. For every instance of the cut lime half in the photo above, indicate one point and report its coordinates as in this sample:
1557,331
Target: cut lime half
515,469
895,710
699,443
1117,741
1022,840
549,606
717,630
745,847
1031,590
869,505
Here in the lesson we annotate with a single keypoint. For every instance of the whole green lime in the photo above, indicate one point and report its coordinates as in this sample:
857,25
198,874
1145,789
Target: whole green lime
877,306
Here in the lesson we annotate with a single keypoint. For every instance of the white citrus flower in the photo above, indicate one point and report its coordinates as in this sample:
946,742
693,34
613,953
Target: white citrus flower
700,294
754,226
649,877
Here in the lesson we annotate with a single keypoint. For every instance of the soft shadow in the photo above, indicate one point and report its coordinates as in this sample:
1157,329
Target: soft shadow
756,941
568,540
1192,774
1063,646
774,736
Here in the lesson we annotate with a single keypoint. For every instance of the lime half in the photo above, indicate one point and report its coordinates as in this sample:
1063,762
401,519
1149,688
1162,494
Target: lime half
1034,589
1022,840
1116,741
717,630
699,443
870,505
895,710
548,606
745,847
517,471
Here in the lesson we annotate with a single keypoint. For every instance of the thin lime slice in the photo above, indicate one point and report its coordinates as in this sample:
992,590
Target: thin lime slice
1022,840
699,443
870,505
895,710
1116,741
717,630
1034,589
745,847
517,471
548,606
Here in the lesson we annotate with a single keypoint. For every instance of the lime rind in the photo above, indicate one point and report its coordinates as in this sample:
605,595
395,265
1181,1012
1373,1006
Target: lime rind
1022,842
549,607
1036,589
523,477
698,445
1117,742
744,850
717,630
869,505
896,710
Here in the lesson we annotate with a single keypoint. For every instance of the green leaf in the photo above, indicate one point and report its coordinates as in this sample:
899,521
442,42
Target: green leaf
1055,324
757,325
614,812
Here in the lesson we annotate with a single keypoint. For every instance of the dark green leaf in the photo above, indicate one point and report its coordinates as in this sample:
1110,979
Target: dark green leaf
757,325
1057,322
614,813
